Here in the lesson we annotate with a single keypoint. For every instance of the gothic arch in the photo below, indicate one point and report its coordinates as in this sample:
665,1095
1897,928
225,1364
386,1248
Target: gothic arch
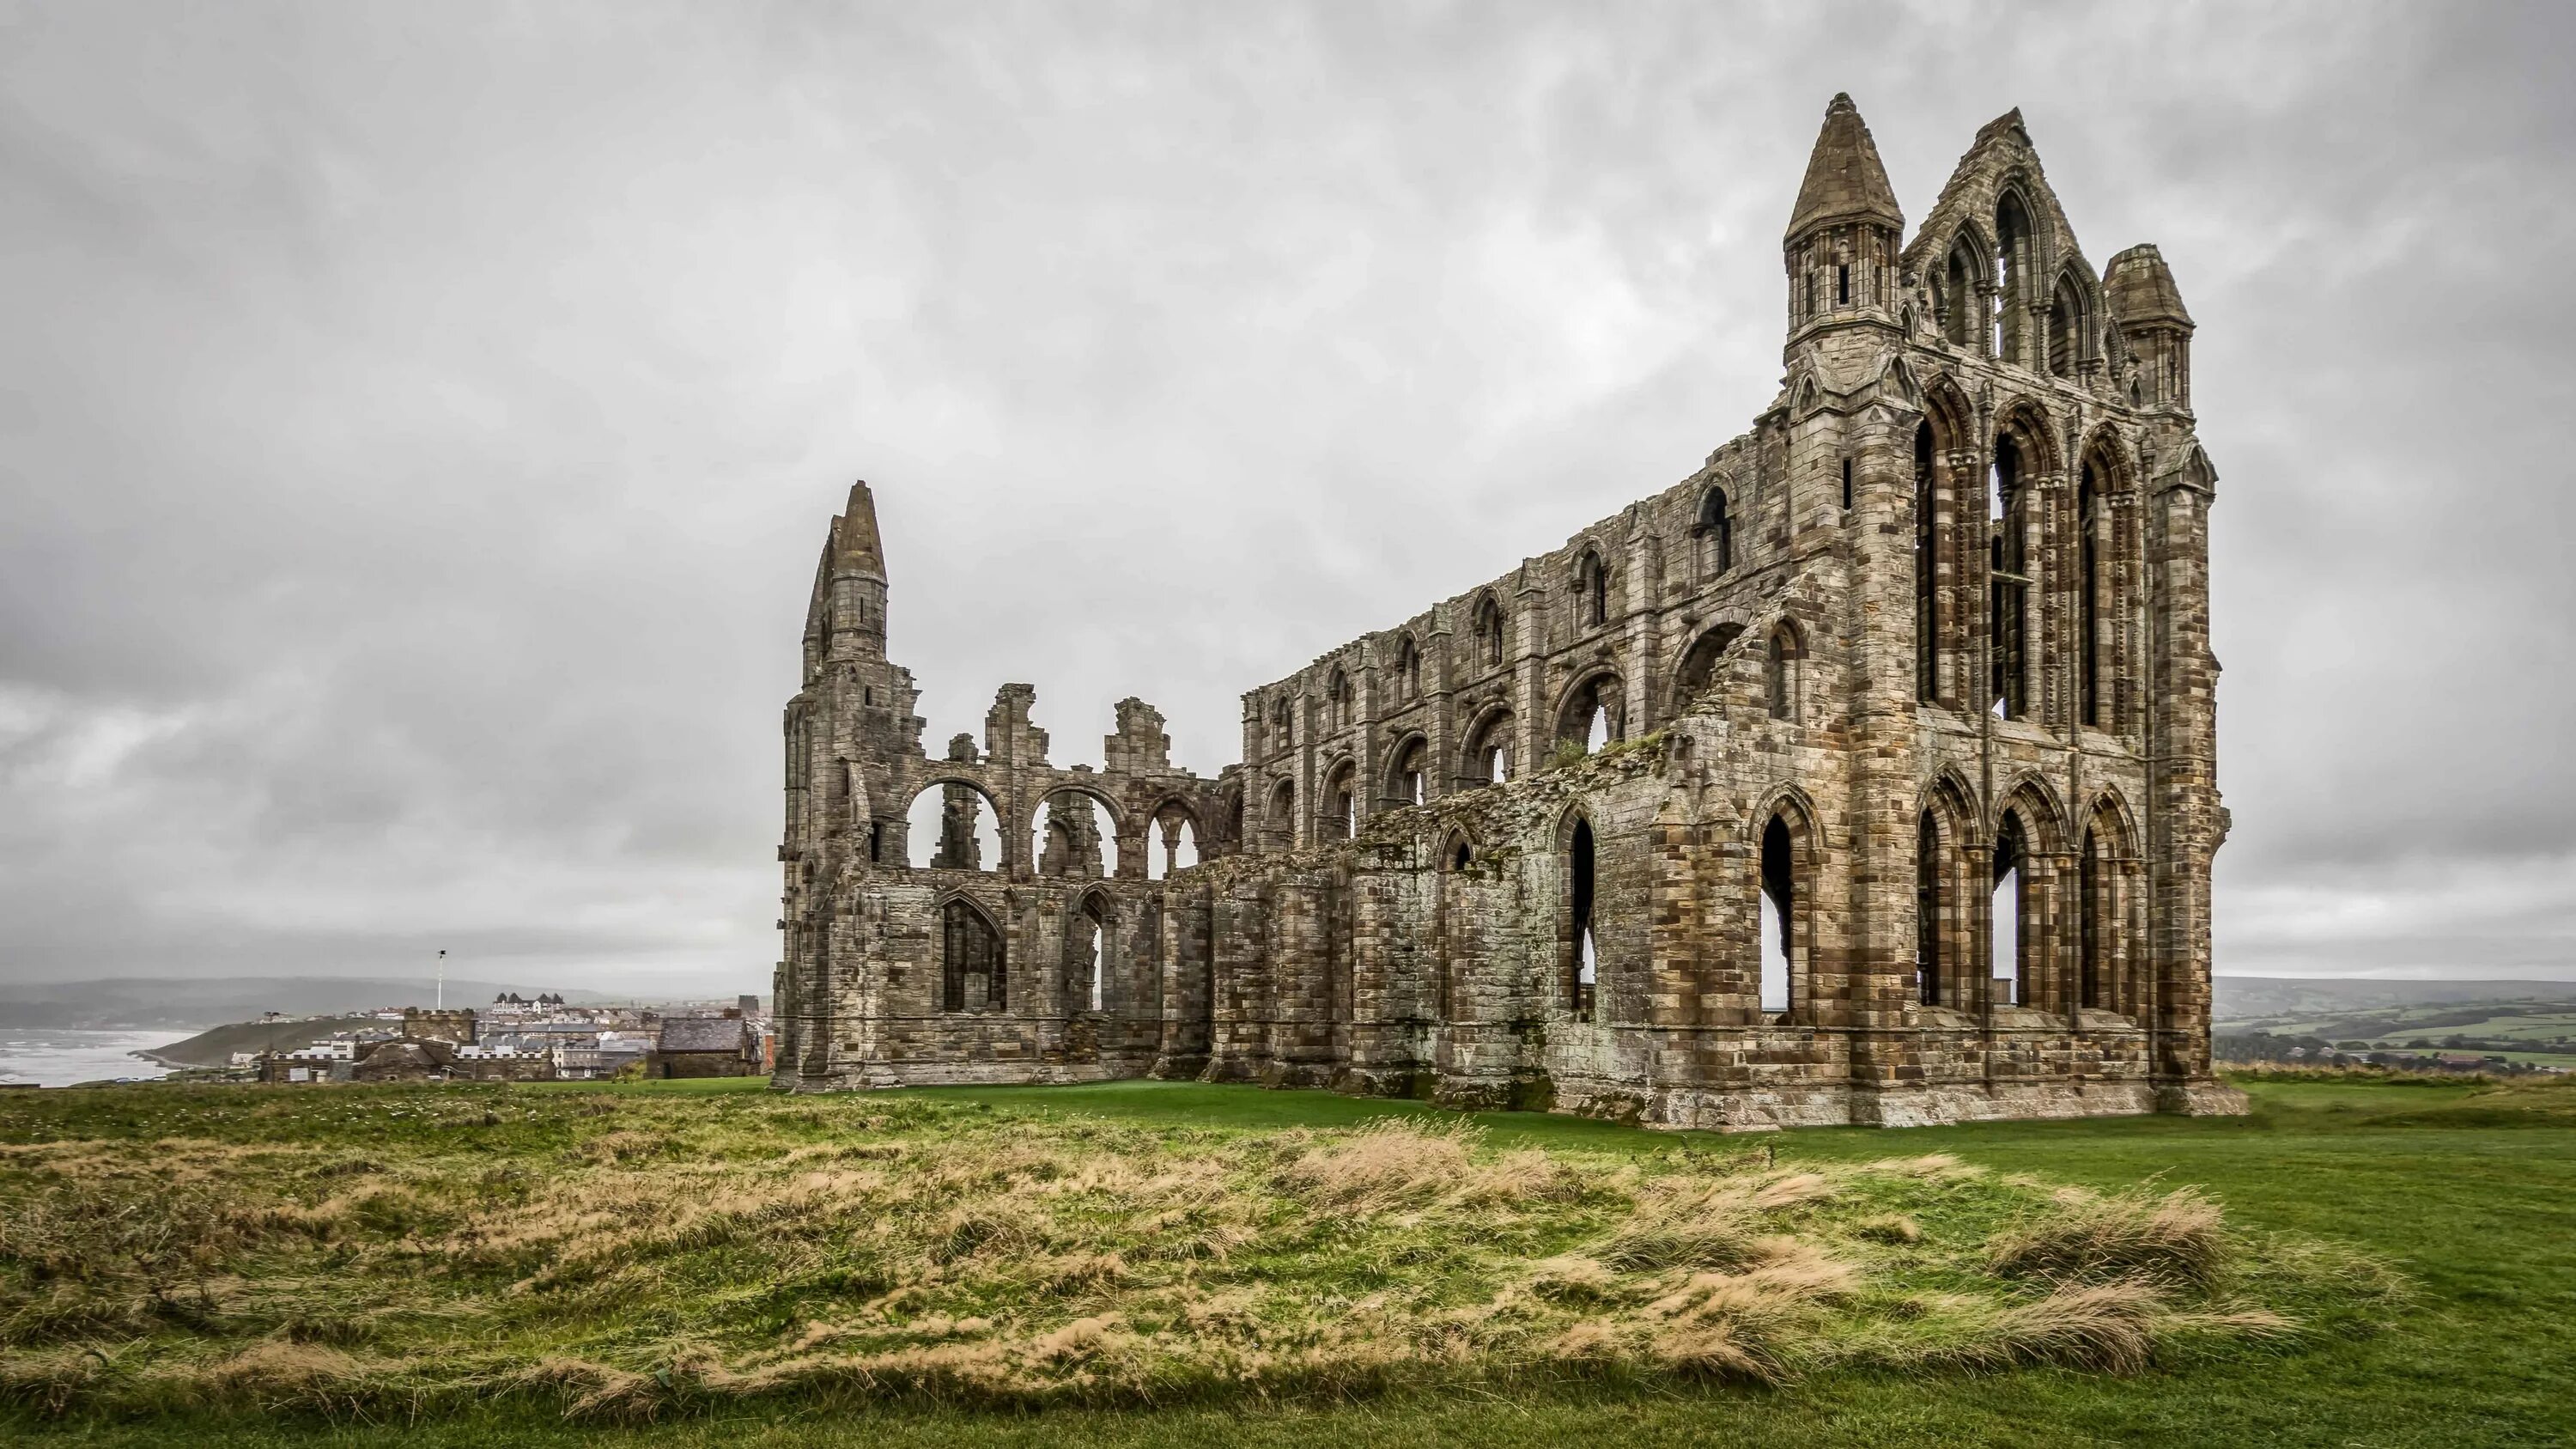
1698,667
1489,630
1944,930
1408,668
971,944
1949,790
1410,755
2043,815
1578,849
1713,529
2119,828
1489,729
1787,852
1338,815
1591,588
1575,704
2026,422
1784,663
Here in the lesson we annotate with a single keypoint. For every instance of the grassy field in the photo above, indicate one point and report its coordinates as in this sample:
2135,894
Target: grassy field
1557,1279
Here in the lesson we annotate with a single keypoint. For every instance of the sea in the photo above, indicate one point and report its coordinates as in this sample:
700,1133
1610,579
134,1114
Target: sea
62,1057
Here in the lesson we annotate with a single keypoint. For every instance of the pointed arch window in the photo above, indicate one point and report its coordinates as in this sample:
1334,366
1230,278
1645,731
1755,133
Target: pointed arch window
1958,293
1489,631
1716,531
1592,590
1087,959
2012,257
1408,670
1776,911
1782,670
1283,724
1344,700
1927,911
2065,327
1583,967
973,976
2005,928
1489,754
2088,563
2008,582
1927,592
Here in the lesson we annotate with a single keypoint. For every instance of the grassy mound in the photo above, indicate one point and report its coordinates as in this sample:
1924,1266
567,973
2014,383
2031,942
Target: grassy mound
623,1256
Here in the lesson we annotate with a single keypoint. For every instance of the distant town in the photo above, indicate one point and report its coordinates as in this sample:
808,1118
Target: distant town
513,1039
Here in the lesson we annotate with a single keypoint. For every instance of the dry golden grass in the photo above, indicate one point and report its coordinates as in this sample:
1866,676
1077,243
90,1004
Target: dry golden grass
668,1255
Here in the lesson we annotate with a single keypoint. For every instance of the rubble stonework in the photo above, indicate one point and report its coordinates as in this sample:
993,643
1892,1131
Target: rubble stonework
1939,622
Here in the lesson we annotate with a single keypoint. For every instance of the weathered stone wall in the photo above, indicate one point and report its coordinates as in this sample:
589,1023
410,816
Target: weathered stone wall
1937,622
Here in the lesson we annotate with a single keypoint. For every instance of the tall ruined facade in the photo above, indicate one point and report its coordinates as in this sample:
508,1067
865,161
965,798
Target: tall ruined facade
1866,775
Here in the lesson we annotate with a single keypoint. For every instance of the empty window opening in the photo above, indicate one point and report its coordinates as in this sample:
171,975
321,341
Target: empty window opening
1594,713
1842,285
1345,701
1959,296
1461,855
953,827
1489,752
1408,670
2007,583
1409,783
1699,663
2089,523
1782,671
1585,967
1592,587
2065,327
1716,532
972,973
2088,945
1071,837
2007,911
2012,230
1489,630
1090,961
1283,812
1777,910
1927,911
876,842
1341,804
1847,484
1927,596
1171,844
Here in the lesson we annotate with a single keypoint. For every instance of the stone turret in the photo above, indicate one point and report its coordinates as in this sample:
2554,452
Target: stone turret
1845,231
858,617
2156,330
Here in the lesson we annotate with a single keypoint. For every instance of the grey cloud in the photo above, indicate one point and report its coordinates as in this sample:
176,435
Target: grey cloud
420,422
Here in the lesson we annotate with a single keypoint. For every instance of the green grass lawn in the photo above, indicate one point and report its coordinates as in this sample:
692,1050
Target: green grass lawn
2470,1191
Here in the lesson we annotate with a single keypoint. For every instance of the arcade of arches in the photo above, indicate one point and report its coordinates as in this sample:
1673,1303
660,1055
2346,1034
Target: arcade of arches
1865,774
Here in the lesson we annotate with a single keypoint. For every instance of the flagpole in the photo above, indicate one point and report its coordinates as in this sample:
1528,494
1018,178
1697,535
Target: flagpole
442,982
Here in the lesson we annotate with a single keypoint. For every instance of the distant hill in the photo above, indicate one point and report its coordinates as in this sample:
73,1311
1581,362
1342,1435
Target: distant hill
151,1002
215,1047
2239,998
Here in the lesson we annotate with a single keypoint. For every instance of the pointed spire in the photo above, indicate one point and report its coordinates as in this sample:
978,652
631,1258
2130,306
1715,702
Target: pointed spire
1845,181
854,535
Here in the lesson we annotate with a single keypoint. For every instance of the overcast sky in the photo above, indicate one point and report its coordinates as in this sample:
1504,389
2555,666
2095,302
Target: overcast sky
422,419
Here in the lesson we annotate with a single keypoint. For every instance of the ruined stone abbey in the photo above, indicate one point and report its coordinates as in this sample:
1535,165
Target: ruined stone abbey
1866,774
